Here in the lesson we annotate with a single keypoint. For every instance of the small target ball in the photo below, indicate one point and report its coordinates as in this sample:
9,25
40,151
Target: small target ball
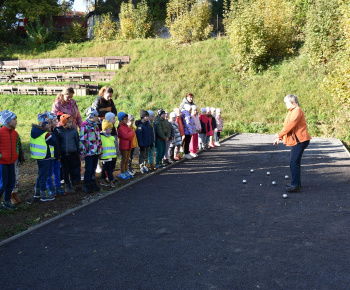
285,195
268,173
286,177
244,181
251,170
273,182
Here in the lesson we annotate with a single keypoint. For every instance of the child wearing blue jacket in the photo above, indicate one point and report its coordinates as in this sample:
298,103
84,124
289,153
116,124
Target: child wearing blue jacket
144,134
42,144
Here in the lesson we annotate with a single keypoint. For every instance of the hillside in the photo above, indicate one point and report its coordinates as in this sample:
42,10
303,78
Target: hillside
160,76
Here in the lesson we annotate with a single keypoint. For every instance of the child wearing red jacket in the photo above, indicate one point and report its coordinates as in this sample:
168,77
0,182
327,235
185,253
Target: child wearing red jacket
8,156
125,135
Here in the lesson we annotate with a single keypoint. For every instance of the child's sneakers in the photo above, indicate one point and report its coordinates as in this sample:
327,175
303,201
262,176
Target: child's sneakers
187,156
132,171
217,144
123,176
127,173
105,182
147,169
194,155
8,205
51,191
143,170
113,183
212,145
45,197
59,191
86,188
94,186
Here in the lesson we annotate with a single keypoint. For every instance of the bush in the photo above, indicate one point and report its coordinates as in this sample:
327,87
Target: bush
75,33
324,37
39,33
259,32
188,20
106,28
134,22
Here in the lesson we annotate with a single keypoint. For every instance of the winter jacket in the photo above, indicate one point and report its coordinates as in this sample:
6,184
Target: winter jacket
197,122
185,101
50,139
210,132
68,140
57,146
177,140
294,128
134,143
171,131
103,107
213,122
125,135
219,123
153,133
144,133
204,123
72,109
8,145
162,129
189,125
90,140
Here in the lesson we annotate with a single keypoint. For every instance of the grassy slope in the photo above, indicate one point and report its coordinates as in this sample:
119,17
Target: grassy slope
160,75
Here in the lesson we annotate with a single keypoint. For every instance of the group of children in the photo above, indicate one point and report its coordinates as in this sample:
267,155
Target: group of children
63,148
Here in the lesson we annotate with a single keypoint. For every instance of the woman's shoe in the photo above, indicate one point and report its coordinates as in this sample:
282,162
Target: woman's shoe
293,188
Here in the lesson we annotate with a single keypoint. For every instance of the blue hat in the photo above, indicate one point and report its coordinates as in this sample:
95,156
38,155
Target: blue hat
151,113
43,119
109,116
121,115
6,117
91,112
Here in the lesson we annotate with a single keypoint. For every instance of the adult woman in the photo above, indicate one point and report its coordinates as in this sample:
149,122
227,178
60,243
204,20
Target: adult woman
104,103
66,104
187,100
294,134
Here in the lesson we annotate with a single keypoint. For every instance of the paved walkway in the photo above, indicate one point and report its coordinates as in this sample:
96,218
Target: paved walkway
197,226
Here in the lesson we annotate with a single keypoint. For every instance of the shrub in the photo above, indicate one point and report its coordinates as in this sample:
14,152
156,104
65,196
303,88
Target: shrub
39,33
323,31
259,32
106,28
75,33
188,20
134,22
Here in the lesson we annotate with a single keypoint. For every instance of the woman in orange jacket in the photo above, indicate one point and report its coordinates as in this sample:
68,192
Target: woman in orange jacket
295,135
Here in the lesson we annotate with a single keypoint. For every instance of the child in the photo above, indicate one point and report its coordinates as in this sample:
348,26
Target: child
90,149
110,117
219,126
125,135
153,145
210,130
69,143
213,126
15,199
55,163
162,136
42,144
9,154
194,139
166,160
190,129
134,143
108,153
144,133
177,141
203,118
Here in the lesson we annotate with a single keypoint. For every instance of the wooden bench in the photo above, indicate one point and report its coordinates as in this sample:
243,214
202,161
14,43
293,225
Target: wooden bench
47,77
52,90
22,78
41,67
7,90
30,90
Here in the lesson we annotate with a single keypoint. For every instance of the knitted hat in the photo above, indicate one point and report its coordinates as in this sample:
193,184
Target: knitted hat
208,109
109,116
212,109
143,114
130,117
187,107
121,116
172,115
6,117
106,125
59,114
194,107
151,113
51,115
65,118
203,110
218,110
91,112
43,119
160,112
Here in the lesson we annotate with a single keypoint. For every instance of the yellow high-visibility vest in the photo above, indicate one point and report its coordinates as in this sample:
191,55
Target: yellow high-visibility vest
38,147
109,150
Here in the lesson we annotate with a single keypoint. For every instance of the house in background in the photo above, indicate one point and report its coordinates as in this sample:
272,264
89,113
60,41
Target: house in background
62,22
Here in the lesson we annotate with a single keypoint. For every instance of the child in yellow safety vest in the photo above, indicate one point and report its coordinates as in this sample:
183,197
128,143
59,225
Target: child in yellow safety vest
134,143
108,154
42,144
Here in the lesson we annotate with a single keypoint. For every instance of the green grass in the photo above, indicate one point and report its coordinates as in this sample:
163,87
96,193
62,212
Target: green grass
160,75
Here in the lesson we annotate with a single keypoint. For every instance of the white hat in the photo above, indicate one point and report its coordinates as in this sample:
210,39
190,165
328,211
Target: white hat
203,110
187,107
172,115
208,109
194,107
212,109
218,110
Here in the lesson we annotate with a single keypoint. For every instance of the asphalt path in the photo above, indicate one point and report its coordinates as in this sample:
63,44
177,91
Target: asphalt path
197,226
